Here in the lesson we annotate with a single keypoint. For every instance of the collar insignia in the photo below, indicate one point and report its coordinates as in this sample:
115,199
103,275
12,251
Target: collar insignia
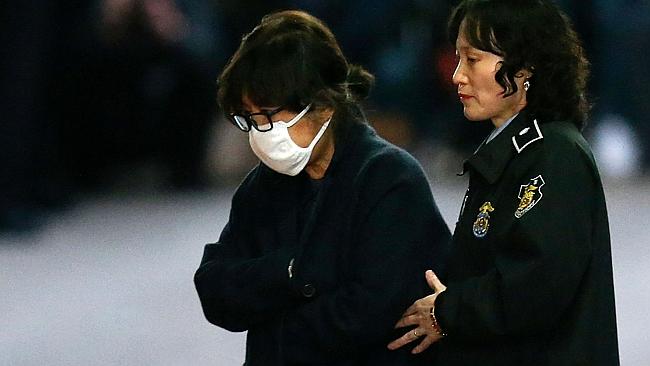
482,223
529,195
527,136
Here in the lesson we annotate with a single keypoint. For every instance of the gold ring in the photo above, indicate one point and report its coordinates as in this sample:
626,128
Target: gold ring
415,333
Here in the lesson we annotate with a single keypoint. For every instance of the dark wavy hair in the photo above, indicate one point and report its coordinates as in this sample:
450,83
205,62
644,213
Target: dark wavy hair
534,35
292,59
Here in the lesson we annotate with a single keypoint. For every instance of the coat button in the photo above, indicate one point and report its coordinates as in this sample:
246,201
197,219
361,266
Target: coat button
308,290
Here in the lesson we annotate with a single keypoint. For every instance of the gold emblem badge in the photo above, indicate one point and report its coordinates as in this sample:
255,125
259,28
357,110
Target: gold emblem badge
482,223
529,195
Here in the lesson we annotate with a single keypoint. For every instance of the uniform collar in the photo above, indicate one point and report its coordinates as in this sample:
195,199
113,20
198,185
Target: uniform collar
500,129
490,160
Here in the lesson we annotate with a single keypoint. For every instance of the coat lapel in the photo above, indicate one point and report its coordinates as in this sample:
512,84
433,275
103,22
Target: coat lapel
312,215
283,198
344,148
284,192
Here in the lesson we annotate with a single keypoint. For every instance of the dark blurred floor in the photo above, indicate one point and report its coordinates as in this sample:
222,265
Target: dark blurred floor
110,281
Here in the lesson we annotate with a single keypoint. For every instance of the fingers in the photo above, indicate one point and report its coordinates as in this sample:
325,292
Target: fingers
407,338
426,342
408,320
411,310
434,282
413,335
420,306
429,275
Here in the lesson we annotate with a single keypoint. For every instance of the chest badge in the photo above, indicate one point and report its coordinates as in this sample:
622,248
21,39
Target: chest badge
529,195
482,223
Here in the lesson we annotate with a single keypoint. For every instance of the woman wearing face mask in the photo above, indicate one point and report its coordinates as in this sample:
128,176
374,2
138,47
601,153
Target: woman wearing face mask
327,237
529,278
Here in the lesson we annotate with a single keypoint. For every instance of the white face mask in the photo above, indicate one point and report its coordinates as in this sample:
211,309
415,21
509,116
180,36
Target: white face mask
278,151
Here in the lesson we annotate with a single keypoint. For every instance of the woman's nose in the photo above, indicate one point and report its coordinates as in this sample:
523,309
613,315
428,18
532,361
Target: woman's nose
459,76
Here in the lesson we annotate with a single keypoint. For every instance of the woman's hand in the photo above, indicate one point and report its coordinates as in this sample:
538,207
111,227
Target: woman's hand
419,315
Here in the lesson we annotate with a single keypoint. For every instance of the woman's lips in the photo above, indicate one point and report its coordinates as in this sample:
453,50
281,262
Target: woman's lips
464,96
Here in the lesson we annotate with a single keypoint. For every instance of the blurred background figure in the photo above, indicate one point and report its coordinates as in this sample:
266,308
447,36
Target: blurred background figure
619,43
30,179
140,94
93,91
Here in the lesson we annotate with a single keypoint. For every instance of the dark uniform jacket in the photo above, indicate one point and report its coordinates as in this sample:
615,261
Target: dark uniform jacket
530,274
319,272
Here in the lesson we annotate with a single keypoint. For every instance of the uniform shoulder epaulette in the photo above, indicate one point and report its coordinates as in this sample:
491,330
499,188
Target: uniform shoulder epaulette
527,136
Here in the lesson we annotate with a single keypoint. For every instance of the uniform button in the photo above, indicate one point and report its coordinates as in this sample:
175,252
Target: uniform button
308,290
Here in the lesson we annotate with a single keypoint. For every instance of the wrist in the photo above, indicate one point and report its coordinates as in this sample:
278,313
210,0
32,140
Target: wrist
434,322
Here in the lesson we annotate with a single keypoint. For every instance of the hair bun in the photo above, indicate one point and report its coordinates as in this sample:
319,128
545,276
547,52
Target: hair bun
359,82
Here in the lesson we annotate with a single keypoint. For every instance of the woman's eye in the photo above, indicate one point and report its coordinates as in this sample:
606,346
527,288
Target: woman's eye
472,60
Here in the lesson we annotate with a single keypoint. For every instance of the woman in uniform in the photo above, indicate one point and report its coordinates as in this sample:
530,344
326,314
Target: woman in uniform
529,279
328,235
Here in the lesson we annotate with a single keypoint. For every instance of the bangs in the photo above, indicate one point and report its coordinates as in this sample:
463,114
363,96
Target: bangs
270,75
481,24
290,60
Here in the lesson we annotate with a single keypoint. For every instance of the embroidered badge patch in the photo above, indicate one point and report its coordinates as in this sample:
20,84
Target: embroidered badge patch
482,223
529,195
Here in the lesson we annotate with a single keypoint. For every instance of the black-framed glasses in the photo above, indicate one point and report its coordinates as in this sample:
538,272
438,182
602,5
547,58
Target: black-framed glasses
260,121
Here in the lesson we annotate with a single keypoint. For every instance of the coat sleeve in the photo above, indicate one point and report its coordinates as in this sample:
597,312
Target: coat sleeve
539,267
238,289
395,244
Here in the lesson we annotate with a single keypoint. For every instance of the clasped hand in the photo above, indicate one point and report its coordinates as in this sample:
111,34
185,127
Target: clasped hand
419,315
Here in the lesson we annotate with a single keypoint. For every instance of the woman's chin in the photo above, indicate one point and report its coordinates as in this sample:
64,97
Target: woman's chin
473,116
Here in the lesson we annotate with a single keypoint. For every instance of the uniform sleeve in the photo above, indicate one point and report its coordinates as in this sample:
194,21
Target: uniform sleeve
539,267
395,244
237,289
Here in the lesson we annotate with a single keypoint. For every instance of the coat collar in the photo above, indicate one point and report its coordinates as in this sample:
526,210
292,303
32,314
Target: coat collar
345,142
345,137
491,159
287,187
